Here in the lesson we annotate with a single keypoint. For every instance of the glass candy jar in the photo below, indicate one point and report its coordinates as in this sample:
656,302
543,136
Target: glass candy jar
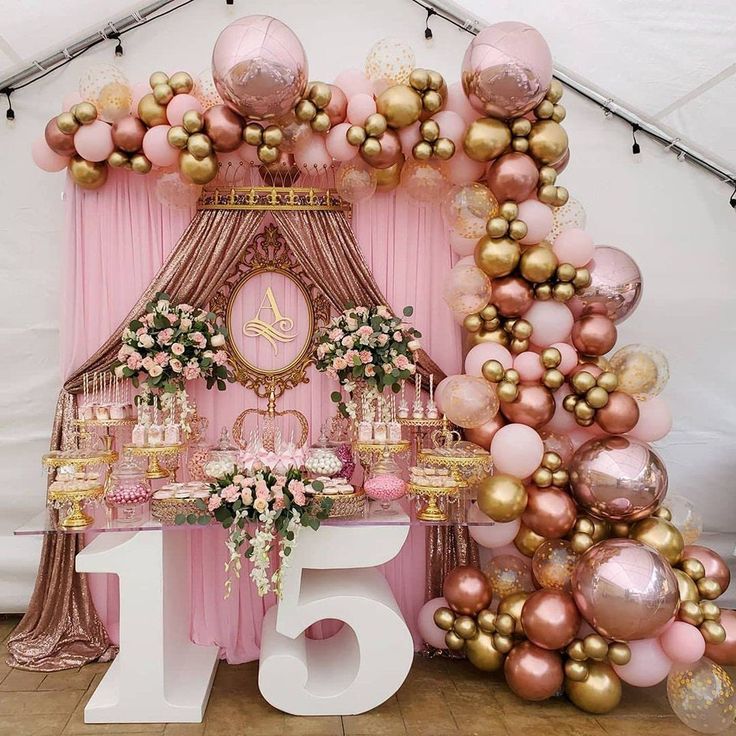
222,456
384,482
323,461
128,492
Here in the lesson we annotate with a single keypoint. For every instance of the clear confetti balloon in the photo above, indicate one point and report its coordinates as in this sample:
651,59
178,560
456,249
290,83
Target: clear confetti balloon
642,371
685,517
553,563
570,215
467,289
508,574
172,191
205,91
424,181
96,77
114,102
468,401
466,209
355,181
390,59
702,696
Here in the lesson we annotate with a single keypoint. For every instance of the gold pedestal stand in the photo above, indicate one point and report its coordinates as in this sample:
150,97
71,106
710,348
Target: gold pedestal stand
153,453
369,453
466,470
108,424
431,511
419,430
76,518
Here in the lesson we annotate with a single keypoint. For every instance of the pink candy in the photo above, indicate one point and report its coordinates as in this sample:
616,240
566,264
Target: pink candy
123,495
385,488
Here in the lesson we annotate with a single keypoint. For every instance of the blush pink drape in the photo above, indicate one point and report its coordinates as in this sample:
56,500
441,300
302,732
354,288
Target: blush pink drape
116,240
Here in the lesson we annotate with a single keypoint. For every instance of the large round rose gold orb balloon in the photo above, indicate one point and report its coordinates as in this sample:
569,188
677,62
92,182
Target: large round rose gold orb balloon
617,478
259,67
549,512
615,282
533,673
533,406
625,590
467,590
550,619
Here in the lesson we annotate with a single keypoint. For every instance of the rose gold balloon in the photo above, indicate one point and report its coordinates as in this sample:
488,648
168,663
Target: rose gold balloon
337,108
283,172
725,652
591,368
512,176
390,152
127,134
57,141
619,415
714,564
559,443
615,282
625,590
549,512
533,673
466,590
484,434
593,334
617,478
550,619
534,406
512,296
259,67
224,127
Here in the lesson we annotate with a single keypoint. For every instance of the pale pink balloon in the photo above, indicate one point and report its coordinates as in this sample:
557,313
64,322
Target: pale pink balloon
479,354
551,322
157,148
489,533
338,146
461,169
179,105
139,91
360,107
45,158
409,137
457,102
574,246
466,261
509,550
73,97
538,218
462,246
563,421
452,126
439,391
517,450
648,665
353,82
311,155
428,630
94,141
682,643
655,420
569,356
529,366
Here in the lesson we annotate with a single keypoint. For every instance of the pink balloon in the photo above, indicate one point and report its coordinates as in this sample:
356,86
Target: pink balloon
360,107
655,420
179,105
45,158
429,631
452,126
517,450
157,148
94,141
479,354
563,421
338,146
72,98
648,665
489,533
569,356
538,218
574,246
139,91
249,154
551,322
529,366
311,154
683,643
466,261
353,82
409,137
462,246
458,103
461,169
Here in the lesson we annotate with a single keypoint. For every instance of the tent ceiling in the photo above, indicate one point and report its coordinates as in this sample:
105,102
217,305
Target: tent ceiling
671,61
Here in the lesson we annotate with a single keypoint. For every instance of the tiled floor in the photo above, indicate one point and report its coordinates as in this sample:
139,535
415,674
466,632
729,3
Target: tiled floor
439,698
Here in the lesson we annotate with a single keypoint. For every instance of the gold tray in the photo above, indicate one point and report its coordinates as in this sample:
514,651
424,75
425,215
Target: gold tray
431,510
465,469
154,469
53,460
105,422
166,510
343,504
76,518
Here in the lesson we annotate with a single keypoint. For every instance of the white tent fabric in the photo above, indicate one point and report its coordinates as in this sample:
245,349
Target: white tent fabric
672,217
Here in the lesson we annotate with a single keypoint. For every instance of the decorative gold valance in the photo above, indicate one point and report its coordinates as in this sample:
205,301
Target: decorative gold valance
273,198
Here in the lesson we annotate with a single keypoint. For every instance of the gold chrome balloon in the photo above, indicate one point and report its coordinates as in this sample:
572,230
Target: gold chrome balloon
375,124
197,171
486,620
599,692
502,497
686,586
321,122
576,651
431,101
505,624
181,83
199,145
163,94
443,148
355,135
268,154
320,94
370,147
581,542
481,652
87,174
454,642
547,141
486,139
253,134
158,78
429,130
503,643
693,568
444,618
177,136
86,112
619,653
709,588
390,178
527,541
117,159
465,627
140,163
273,136
512,604
660,535
192,121
555,91
538,263
576,671
400,105
151,112
67,123
690,613
595,647
710,611
497,256
713,632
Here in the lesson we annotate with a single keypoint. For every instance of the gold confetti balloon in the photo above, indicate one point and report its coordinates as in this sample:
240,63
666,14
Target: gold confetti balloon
642,371
508,574
114,102
467,208
390,59
553,563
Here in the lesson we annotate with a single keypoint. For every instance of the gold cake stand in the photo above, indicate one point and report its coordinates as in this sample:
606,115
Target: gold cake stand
419,430
370,453
154,453
108,424
76,518
431,495
467,470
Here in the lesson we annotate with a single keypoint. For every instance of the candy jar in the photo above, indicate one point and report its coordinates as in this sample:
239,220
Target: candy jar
129,492
384,482
322,460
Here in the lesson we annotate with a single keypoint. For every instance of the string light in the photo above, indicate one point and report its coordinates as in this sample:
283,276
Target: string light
119,47
636,148
10,113
427,29
732,201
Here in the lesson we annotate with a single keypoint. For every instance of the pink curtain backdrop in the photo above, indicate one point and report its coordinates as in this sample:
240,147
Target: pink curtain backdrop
116,240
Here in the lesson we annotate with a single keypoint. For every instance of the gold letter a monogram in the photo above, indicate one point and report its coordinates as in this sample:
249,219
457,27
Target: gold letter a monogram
277,330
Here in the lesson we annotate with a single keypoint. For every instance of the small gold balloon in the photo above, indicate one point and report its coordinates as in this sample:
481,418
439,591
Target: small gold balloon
87,174
375,124
660,535
582,382
620,529
429,130
553,379
547,141
619,653
86,112
597,397
268,154
547,175
555,91
521,127
444,618
390,178
400,105
150,111
580,542
192,121
443,148
199,145
559,113
538,264
582,279
465,627
563,292
512,604
163,94
488,312
507,391
543,292
520,145
473,322
505,624
487,621
709,588
492,370
454,642
370,147
566,272
547,194
481,653
502,497
693,568
576,651
518,229
607,380
487,335
710,611
527,541
355,135
419,79
140,163
67,123
422,151
562,196
177,136
431,101
599,692
182,83
486,139
544,109
503,643
576,671
663,513
542,477
509,210
497,256
273,136
253,134
497,227
595,647
435,80
320,94
197,171
158,78
584,411
321,122
713,632
305,110
585,525
690,613
117,159
686,587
